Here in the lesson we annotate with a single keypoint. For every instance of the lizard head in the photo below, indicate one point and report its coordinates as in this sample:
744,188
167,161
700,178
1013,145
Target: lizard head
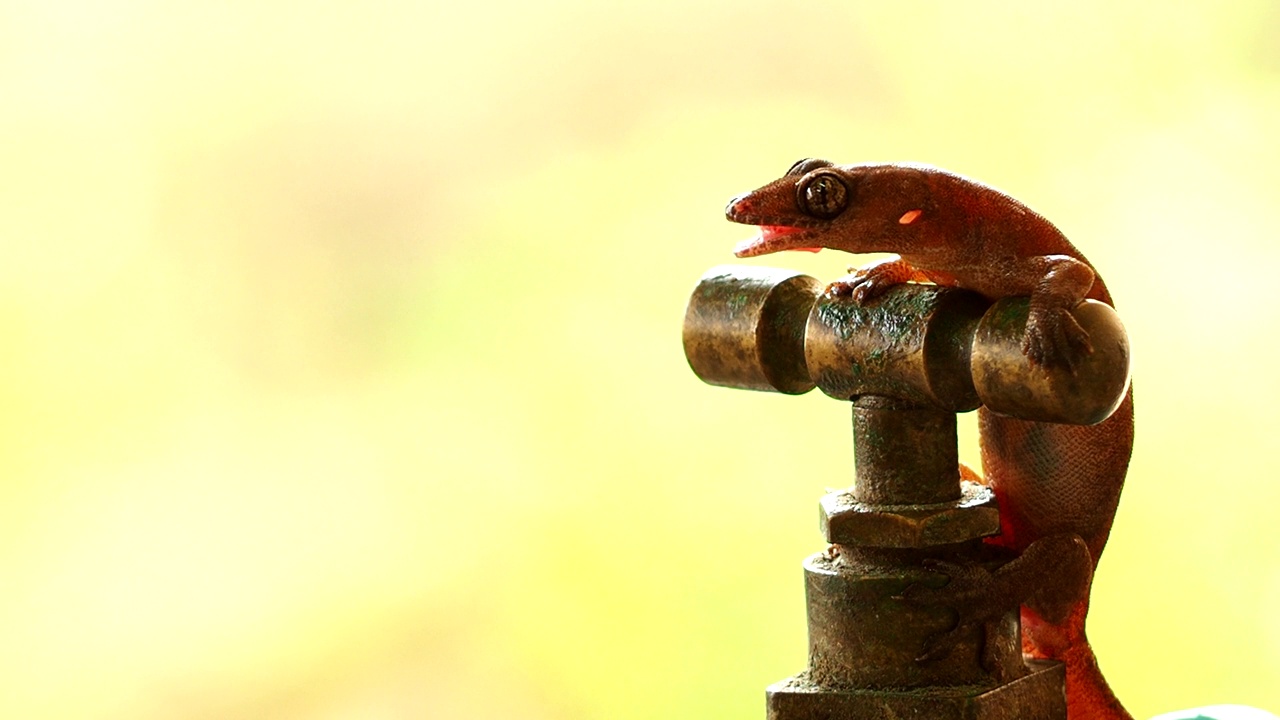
855,208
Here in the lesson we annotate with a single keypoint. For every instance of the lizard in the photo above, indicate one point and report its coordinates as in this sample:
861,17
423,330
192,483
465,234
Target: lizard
1057,486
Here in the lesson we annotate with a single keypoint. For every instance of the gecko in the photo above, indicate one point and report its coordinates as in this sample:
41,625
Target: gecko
1057,486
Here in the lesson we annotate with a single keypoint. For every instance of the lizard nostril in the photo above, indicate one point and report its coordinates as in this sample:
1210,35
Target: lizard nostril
736,206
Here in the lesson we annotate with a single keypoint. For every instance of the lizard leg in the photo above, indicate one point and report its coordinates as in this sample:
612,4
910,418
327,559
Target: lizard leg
870,281
1054,337
1051,579
1058,570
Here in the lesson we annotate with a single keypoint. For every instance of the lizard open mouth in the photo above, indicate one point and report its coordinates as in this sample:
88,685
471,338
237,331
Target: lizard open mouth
773,238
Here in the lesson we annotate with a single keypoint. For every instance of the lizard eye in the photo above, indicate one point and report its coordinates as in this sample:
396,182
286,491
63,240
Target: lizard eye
822,195
803,166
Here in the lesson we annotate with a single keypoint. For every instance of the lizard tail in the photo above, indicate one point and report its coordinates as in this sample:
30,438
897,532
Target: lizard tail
1089,697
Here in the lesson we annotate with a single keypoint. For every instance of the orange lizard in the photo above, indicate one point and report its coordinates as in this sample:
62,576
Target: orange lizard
1057,486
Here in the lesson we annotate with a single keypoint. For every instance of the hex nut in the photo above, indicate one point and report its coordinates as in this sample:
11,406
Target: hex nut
845,521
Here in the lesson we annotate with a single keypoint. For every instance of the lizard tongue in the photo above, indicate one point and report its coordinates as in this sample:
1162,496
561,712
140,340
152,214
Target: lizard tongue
769,240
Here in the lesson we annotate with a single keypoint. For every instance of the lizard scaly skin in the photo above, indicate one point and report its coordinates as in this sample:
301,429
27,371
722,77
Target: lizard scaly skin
1058,486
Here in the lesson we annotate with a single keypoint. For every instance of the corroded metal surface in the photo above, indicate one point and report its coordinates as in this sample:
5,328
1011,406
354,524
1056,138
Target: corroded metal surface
768,329
861,633
909,360
1037,696
744,328
904,453
1085,393
846,521
911,343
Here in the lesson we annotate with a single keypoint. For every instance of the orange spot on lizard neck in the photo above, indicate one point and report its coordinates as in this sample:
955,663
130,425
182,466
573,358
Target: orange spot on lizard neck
909,217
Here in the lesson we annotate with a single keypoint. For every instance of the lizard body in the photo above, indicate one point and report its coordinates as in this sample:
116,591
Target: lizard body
1057,486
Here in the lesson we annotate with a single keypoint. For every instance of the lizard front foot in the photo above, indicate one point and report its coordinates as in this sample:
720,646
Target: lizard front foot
869,282
862,288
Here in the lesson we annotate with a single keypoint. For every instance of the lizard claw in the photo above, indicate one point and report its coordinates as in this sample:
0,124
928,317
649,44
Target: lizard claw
869,282
862,286
1054,339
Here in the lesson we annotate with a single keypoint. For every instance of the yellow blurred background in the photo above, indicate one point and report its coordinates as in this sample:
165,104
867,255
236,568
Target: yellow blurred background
342,373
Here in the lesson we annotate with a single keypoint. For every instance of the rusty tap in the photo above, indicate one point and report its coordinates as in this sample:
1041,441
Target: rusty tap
907,362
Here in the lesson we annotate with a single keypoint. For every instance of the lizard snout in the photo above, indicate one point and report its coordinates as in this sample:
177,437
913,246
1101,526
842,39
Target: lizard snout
738,206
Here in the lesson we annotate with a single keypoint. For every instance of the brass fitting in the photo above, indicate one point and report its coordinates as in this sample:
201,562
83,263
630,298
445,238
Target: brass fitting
775,330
